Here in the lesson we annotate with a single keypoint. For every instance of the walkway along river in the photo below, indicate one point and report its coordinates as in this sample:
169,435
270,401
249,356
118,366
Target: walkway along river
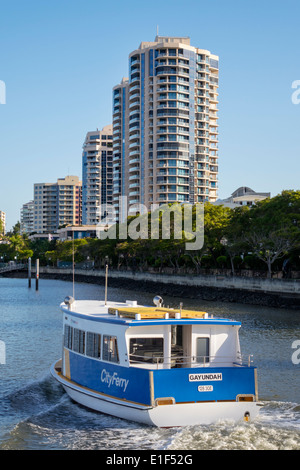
282,293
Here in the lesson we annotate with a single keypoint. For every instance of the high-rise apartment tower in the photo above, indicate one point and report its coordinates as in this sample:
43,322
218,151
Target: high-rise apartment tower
96,175
165,126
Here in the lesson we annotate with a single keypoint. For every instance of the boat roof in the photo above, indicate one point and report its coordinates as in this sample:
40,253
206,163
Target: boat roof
131,314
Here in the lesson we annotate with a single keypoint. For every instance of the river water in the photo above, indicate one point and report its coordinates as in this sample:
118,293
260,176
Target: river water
36,414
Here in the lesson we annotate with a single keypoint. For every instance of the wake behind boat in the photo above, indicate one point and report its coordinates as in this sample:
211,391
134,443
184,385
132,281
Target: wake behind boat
155,365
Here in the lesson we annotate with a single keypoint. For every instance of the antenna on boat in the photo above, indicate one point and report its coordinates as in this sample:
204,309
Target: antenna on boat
106,275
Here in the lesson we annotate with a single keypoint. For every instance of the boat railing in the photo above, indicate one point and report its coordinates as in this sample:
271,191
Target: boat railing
167,362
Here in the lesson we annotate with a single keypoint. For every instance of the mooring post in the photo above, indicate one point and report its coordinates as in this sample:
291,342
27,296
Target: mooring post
29,272
37,268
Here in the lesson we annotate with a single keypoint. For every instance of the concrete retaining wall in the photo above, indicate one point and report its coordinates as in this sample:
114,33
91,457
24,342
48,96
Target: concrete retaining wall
274,286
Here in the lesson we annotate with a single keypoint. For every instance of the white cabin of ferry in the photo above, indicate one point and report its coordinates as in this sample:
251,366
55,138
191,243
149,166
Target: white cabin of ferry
161,339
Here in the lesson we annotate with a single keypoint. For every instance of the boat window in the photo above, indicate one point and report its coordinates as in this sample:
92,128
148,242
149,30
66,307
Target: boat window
79,341
68,336
110,349
202,349
146,350
93,345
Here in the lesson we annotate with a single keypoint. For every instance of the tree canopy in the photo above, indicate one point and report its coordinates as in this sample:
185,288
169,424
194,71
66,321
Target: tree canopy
265,236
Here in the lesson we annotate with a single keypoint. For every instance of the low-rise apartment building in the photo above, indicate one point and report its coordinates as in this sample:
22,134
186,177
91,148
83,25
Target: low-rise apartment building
57,204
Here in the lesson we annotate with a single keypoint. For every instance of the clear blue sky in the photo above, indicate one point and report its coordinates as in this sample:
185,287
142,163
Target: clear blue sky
61,58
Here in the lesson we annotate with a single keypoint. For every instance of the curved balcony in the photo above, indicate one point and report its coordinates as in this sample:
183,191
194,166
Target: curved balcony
134,95
134,119
134,144
135,60
134,160
133,88
135,80
132,153
134,193
134,177
136,135
134,104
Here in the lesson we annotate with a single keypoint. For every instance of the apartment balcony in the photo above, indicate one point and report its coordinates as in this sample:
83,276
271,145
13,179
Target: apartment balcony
133,88
116,119
134,104
134,144
213,100
133,169
116,109
134,185
134,177
92,170
134,160
135,67
134,201
134,152
135,61
134,127
135,80
165,111
92,147
136,135
134,95
134,119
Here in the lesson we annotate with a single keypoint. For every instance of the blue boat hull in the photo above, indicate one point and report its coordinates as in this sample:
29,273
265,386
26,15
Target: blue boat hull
161,397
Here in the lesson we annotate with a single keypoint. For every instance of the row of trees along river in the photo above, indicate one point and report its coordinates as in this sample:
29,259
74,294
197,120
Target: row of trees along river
264,238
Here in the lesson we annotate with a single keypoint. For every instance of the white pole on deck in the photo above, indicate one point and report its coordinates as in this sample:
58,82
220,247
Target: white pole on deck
106,274
73,267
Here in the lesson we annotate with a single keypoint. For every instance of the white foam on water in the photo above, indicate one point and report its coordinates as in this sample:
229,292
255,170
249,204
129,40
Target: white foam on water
276,428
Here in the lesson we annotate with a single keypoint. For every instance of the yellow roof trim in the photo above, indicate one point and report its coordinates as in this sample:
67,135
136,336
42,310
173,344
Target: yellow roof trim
154,312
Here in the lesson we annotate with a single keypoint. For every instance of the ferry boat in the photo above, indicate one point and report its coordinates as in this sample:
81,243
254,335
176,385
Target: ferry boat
159,366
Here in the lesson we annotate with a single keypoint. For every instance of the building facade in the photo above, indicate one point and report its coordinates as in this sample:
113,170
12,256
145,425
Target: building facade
165,126
3,222
27,217
243,196
97,175
57,204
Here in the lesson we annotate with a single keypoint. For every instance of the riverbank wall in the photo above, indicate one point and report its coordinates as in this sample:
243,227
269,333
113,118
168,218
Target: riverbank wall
280,293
